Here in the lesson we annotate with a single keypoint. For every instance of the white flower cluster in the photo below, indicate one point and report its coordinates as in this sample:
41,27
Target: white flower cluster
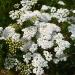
47,35
38,71
38,62
13,14
9,32
26,45
72,30
23,15
61,14
46,32
29,32
28,3
27,57
47,55
44,8
73,11
33,48
61,3
61,46
10,62
24,12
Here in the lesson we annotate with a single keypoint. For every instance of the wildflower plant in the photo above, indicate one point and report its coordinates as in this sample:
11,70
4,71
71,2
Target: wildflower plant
38,36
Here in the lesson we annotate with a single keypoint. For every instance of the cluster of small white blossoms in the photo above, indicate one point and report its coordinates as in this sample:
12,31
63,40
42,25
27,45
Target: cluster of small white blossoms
72,30
61,3
9,32
10,62
47,35
39,63
61,46
24,14
47,55
28,3
61,14
27,57
29,32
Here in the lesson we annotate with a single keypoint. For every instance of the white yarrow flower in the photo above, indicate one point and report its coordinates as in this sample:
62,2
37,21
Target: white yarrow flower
72,30
33,47
44,7
29,32
61,3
